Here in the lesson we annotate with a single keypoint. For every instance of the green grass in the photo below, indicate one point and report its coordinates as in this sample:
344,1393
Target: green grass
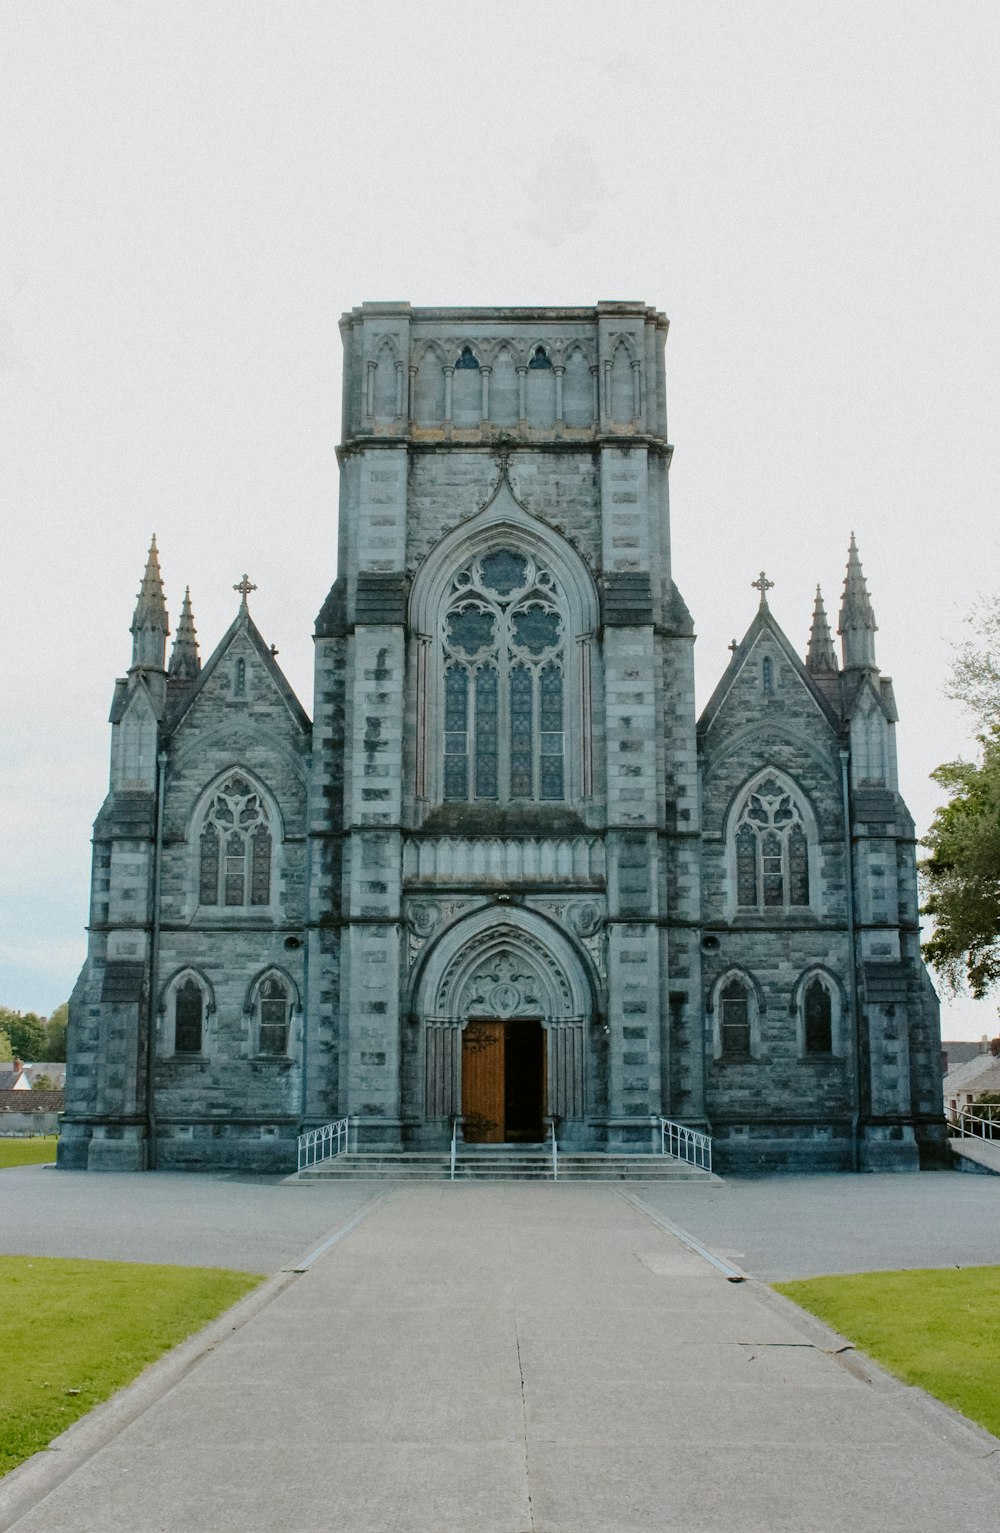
936,1328
72,1332
27,1152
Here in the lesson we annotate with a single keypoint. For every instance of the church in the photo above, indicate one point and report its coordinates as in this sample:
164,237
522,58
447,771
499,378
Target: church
504,875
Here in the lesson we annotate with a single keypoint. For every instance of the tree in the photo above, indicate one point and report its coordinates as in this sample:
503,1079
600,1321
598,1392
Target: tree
975,674
43,1082
26,1032
55,1029
6,1052
962,874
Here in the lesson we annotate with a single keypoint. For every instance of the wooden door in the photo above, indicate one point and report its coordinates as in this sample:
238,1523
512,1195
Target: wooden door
483,1082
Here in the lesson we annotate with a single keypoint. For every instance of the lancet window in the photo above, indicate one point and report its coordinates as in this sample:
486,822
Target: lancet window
734,1020
235,848
503,645
772,851
817,1018
273,1008
189,1016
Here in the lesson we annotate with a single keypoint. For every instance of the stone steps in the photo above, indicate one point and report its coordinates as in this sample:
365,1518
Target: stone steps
503,1165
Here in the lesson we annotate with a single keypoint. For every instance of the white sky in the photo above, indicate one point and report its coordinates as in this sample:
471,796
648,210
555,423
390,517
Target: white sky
192,193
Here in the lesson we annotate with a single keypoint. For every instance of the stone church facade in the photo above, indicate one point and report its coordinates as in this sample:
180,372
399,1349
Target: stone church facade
504,873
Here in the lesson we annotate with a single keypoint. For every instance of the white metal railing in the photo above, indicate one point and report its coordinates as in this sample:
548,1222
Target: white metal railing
555,1150
322,1143
685,1144
977,1120
454,1145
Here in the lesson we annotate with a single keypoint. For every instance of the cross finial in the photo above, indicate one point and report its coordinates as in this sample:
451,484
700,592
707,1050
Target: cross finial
244,586
763,585
734,646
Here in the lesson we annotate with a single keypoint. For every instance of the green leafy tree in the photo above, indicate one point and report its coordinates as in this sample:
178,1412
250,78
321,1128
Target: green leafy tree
962,874
43,1082
28,1038
6,1052
55,1029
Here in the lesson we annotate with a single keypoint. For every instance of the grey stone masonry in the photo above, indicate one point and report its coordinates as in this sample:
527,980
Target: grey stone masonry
505,879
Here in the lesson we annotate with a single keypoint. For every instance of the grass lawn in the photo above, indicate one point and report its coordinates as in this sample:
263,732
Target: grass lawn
27,1152
938,1328
72,1332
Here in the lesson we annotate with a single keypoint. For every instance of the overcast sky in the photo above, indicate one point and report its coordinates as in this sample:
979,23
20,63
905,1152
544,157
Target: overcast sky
193,192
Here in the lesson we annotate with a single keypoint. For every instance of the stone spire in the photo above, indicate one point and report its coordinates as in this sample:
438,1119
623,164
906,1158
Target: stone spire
150,624
857,627
821,656
185,662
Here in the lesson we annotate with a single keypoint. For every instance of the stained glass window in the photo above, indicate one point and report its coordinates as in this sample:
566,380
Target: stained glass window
746,866
818,1018
535,628
209,883
188,1009
504,572
521,754
772,851
470,630
235,848
260,872
273,1026
456,739
550,684
503,681
486,733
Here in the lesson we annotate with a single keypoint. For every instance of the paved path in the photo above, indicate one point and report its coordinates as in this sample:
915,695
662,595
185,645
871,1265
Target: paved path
519,1357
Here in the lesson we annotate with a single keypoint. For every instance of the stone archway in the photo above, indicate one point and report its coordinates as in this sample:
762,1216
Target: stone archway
501,973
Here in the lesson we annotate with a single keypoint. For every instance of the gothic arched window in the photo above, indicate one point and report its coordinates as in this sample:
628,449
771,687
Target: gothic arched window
734,1020
235,848
189,1017
273,1008
817,1008
503,650
772,851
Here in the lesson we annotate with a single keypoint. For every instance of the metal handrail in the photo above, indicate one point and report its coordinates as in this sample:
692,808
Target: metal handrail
977,1120
687,1144
555,1150
319,1144
454,1145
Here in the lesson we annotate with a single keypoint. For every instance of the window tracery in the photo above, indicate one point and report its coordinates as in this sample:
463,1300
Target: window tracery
772,851
235,848
503,648
273,1008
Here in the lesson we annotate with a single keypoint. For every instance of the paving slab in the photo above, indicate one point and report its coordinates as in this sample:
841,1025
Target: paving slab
528,1358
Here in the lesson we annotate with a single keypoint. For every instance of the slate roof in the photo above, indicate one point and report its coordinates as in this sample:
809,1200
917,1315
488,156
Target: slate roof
32,1101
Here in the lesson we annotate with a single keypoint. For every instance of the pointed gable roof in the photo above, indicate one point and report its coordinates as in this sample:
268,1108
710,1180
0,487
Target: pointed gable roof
243,623
764,625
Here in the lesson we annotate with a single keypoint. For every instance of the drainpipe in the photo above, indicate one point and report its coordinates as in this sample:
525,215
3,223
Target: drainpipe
306,937
154,969
852,963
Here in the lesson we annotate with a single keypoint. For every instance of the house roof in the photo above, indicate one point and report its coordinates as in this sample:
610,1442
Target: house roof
969,1076
8,1079
32,1101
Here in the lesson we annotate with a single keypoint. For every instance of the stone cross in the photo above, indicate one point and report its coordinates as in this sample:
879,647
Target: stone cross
245,586
763,585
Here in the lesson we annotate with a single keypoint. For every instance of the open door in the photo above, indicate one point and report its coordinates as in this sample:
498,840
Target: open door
503,1081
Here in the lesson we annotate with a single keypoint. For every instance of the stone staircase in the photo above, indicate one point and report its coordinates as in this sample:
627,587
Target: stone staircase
504,1163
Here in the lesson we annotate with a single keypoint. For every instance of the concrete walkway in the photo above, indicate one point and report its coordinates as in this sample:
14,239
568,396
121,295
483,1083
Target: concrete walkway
517,1357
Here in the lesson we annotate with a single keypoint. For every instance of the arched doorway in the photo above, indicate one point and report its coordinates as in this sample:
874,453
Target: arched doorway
504,999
